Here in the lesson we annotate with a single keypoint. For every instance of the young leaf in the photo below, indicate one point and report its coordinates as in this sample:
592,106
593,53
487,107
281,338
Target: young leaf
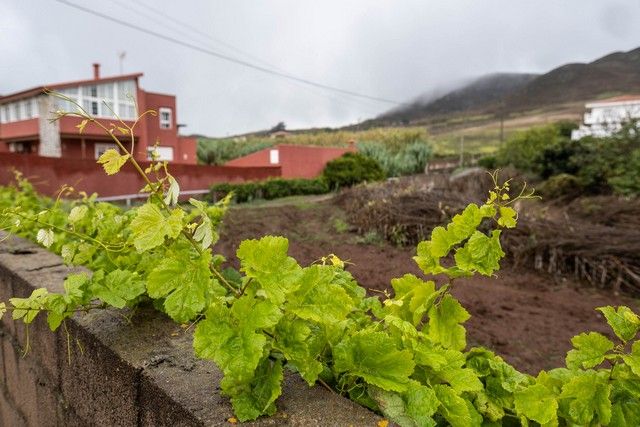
481,253
624,322
28,308
119,287
150,227
80,126
111,160
507,217
45,237
77,213
3,309
267,262
171,198
444,323
319,299
589,350
417,297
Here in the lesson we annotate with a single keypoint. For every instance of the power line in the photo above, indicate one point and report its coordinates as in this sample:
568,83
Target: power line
208,36
226,57
362,103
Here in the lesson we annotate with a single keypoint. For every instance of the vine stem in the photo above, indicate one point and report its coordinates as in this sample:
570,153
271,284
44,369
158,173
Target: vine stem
142,173
325,385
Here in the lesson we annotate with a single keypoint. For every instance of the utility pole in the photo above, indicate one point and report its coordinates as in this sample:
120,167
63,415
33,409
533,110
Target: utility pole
501,122
461,150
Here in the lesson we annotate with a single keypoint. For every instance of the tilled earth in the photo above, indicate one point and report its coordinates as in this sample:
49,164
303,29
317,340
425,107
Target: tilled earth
525,317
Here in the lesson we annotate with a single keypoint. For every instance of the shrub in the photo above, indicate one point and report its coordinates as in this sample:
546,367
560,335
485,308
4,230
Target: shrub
269,189
523,149
627,180
351,169
562,185
398,160
488,162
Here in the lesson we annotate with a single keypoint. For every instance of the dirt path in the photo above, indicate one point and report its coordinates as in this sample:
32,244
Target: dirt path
525,317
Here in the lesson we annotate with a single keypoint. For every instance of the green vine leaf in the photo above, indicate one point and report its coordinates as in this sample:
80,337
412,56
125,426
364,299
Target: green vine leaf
258,397
317,298
150,227
294,340
481,253
173,192
445,323
416,297
507,217
537,403
111,160
45,237
266,261
589,350
588,399
624,322
458,411
633,359
374,357
204,233
28,308
78,213
186,291
118,288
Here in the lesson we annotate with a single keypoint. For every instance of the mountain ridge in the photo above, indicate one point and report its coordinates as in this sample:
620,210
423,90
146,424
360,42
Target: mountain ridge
507,93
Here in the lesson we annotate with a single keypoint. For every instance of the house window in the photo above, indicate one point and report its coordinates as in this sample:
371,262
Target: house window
160,153
19,147
3,114
28,109
274,157
101,147
17,111
165,118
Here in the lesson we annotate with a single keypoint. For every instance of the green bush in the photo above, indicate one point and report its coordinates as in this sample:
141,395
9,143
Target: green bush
627,180
523,149
488,162
562,185
269,189
351,169
398,160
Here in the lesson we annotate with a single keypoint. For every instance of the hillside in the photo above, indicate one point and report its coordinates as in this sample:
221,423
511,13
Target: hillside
569,86
472,96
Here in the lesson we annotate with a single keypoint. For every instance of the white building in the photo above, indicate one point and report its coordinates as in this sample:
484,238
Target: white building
605,117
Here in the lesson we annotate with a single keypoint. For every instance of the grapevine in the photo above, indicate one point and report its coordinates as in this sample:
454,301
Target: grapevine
404,356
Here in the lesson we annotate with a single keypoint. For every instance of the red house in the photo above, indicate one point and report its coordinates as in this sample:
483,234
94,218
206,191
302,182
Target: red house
25,125
295,161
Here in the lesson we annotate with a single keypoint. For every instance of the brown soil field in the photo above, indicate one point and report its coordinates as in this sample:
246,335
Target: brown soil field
525,317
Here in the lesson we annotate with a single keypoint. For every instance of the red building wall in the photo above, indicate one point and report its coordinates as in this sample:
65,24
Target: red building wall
296,161
49,174
25,129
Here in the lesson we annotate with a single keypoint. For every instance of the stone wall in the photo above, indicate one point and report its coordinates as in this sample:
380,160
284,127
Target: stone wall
117,368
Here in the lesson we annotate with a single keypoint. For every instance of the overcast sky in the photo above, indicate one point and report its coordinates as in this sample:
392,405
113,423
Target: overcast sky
392,49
